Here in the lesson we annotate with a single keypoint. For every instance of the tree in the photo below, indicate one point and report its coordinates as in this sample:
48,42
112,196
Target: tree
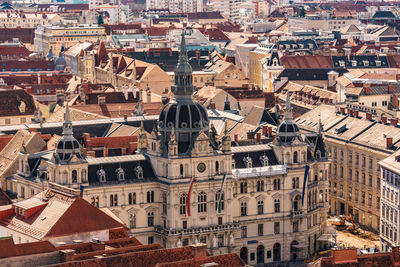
100,20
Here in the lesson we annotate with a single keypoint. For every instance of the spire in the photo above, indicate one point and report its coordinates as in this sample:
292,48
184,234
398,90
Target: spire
67,125
183,53
50,54
288,107
320,126
227,103
183,73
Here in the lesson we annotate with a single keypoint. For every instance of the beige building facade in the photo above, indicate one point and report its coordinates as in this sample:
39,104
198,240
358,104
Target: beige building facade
357,141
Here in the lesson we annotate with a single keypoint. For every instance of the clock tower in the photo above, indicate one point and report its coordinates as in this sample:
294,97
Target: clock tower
185,150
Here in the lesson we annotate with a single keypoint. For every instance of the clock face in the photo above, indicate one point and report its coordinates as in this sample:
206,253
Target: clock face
201,167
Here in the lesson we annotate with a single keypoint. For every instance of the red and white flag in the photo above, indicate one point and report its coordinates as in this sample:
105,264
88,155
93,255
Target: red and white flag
188,197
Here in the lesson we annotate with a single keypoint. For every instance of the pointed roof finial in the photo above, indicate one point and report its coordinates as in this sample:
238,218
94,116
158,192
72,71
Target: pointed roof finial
183,44
320,126
288,107
67,125
227,105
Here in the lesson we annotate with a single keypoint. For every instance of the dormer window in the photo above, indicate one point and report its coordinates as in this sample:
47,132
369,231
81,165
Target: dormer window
102,175
120,174
264,160
354,63
366,63
378,63
139,172
248,161
341,63
318,154
233,164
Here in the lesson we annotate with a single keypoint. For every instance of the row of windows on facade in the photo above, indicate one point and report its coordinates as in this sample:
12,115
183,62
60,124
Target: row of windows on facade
389,233
249,162
260,187
391,177
120,174
131,199
356,159
24,166
390,214
357,177
201,202
277,227
356,195
389,194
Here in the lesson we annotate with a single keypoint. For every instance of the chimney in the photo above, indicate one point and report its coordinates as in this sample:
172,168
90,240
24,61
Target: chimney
350,112
384,119
258,137
367,88
212,105
236,138
390,88
342,111
369,116
250,135
395,102
394,122
148,97
355,113
264,129
389,142
199,251
269,131
66,255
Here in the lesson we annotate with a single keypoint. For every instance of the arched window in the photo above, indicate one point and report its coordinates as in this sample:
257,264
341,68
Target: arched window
243,209
164,202
150,219
120,174
218,195
181,169
260,186
139,172
182,204
132,221
83,175
102,175
295,157
233,164
74,176
277,184
321,175
132,198
260,207
296,203
277,205
243,187
202,202
217,167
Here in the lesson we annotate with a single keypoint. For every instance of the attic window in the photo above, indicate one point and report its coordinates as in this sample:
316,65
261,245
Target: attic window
264,160
366,63
354,63
139,172
102,175
248,161
120,174
378,63
233,164
341,63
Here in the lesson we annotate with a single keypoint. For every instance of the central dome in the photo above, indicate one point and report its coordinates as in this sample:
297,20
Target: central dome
189,115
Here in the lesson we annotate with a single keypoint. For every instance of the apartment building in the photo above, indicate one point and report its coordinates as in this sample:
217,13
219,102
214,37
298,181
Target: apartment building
357,139
55,37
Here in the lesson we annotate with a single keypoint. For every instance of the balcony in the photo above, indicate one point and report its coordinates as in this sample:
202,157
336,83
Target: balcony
259,171
197,230
295,214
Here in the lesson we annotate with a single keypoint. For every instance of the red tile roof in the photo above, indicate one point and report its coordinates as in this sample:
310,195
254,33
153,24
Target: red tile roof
25,35
216,35
13,52
307,62
9,249
82,217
